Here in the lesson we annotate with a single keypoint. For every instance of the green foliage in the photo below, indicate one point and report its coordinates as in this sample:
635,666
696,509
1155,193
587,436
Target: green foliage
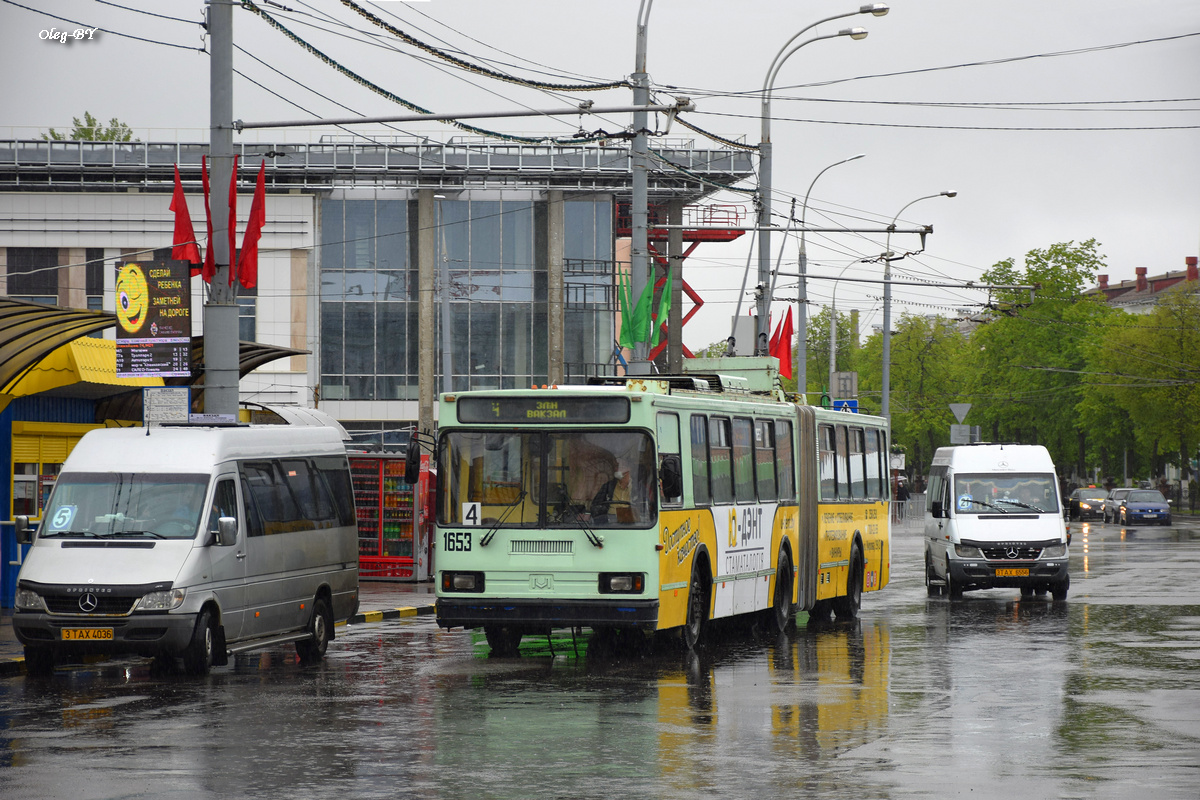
90,129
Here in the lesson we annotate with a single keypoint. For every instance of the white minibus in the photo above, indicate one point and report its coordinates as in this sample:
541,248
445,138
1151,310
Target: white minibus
995,519
192,542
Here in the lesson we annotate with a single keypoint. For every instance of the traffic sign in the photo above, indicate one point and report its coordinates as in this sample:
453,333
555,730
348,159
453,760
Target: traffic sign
960,410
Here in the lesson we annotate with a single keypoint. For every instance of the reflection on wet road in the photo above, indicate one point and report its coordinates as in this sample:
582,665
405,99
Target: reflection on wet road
992,695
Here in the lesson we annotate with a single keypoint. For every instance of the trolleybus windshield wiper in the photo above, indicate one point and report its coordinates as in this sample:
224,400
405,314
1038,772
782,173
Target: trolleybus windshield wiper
487,537
587,531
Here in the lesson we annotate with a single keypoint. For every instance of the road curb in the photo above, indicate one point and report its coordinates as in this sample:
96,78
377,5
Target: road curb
391,613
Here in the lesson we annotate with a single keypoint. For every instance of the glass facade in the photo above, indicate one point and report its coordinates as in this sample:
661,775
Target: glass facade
490,264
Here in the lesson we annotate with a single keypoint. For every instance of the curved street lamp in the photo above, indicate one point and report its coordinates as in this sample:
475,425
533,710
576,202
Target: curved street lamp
802,316
764,155
885,407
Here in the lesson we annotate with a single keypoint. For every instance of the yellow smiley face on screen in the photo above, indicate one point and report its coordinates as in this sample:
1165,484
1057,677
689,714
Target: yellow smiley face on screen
133,297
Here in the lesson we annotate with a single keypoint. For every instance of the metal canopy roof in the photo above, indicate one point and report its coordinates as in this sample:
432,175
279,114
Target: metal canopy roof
29,332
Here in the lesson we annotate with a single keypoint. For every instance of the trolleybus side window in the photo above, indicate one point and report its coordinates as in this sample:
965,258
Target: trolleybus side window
843,464
764,459
743,461
876,480
783,458
828,463
668,445
698,424
858,478
720,442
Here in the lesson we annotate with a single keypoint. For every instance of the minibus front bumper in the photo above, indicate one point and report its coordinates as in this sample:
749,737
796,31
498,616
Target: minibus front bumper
540,614
146,634
1008,573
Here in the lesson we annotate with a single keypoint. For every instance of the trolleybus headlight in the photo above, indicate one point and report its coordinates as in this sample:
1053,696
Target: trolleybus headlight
967,551
462,581
1054,551
622,582
27,600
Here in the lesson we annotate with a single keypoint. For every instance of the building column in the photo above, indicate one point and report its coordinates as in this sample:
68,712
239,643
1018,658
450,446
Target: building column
555,288
426,342
72,292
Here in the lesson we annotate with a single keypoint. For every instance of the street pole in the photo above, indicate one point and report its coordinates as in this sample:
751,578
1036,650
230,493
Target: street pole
802,325
639,249
220,308
764,159
885,405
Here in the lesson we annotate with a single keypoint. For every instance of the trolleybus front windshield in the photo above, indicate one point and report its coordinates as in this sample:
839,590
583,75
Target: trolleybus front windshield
556,479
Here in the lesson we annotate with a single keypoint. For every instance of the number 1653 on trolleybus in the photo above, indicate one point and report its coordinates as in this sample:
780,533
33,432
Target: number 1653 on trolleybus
653,503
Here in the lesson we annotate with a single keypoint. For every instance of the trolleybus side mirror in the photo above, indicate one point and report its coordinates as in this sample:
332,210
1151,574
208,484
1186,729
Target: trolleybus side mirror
24,534
671,473
412,462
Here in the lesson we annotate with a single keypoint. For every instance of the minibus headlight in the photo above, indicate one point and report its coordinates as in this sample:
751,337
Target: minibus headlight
161,601
967,551
622,582
1054,551
28,600
462,581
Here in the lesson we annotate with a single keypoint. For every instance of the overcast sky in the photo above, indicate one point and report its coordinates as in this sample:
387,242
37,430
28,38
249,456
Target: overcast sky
1054,120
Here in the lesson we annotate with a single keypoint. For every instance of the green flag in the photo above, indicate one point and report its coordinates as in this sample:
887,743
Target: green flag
664,310
626,336
641,314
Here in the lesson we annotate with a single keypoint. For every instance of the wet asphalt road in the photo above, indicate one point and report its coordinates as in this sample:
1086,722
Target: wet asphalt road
990,696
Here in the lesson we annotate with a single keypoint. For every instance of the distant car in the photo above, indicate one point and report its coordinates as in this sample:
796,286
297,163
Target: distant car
1086,503
1108,509
1142,505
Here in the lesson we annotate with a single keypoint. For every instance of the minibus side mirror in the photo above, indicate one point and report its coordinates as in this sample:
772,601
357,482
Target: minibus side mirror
671,473
935,509
24,533
227,528
412,462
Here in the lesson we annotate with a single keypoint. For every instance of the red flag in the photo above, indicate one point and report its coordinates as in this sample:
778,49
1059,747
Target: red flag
183,246
774,336
233,181
210,266
784,347
248,258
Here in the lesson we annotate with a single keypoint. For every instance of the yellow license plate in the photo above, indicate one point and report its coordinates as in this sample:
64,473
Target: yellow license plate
1012,573
86,634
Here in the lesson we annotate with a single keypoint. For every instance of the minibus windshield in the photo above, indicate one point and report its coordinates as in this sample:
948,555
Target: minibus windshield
123,504
1008,493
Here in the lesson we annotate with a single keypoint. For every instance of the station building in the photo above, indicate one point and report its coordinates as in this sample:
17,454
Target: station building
519,245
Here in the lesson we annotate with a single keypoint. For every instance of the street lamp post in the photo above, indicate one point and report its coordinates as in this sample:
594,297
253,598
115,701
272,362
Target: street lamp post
802,316
764,158
885,407
833,323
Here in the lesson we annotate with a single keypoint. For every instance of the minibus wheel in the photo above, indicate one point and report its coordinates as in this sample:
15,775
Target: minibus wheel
321,629
1059,590
39,661
932,589
952,588
198,656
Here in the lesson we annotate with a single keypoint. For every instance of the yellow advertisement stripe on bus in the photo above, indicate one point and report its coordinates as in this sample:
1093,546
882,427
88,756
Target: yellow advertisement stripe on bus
839,524
742,557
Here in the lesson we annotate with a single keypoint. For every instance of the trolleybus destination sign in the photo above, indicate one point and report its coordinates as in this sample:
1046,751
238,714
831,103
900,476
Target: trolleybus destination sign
543,407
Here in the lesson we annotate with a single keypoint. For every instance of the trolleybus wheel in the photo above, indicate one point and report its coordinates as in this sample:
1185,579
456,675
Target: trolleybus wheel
198,656
846,606
321,628
503,640
697,611
781,611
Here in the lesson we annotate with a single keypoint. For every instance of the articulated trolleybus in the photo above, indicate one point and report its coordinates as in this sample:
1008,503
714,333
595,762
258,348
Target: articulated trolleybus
653,503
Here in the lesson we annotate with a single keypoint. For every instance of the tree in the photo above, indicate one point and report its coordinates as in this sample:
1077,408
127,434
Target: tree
1029,357
91,130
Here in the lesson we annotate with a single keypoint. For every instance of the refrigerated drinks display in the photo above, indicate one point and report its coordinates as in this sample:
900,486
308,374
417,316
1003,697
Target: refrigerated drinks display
384,504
